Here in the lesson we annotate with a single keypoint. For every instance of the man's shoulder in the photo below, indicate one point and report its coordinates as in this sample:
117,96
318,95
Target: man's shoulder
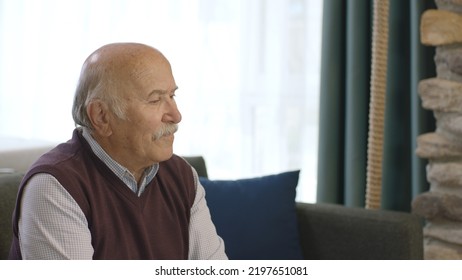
63,161
60,158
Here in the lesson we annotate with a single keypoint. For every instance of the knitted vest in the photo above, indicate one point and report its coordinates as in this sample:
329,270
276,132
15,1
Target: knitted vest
122,225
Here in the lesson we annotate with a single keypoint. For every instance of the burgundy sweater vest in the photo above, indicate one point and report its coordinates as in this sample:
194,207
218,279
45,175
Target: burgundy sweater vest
122,225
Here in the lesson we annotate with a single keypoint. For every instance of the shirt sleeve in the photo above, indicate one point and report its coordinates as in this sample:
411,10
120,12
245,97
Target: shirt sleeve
51,223
204,242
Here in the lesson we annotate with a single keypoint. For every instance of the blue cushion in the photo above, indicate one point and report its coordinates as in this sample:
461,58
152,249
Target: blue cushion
256,217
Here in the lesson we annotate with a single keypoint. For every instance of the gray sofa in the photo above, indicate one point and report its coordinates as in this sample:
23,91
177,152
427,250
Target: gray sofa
328,232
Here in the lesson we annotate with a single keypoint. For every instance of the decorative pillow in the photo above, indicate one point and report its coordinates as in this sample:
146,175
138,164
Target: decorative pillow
256,217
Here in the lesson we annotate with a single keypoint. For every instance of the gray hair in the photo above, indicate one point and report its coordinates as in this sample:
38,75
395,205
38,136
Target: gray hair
95,83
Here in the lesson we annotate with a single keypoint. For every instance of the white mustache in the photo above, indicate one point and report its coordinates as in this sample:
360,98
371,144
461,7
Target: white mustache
166,129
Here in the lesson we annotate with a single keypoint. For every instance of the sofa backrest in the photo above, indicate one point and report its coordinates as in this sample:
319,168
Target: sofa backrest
198,162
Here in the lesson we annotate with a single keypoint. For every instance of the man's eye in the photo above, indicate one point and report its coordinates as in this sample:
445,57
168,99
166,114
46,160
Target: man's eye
154,101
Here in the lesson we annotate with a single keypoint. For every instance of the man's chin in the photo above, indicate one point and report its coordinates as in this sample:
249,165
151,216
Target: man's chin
164,154
163,148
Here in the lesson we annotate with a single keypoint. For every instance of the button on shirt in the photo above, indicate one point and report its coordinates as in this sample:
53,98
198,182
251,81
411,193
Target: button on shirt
52,225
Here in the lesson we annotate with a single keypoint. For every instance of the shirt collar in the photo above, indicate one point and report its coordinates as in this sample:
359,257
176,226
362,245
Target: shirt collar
123,173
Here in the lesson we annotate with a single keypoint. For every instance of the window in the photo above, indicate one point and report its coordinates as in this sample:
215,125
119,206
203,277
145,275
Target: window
247,71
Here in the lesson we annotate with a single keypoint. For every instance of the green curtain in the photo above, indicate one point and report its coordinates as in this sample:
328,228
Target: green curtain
344,103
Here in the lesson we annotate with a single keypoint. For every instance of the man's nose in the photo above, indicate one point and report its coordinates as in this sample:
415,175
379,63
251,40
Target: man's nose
172,114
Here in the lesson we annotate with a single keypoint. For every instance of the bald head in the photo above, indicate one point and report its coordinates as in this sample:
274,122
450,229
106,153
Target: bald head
109,72
124,59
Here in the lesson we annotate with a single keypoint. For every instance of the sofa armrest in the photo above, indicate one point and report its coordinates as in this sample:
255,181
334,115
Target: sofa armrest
333,232
9,184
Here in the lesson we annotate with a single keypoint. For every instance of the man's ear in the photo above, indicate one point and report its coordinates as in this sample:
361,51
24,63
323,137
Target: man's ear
99,115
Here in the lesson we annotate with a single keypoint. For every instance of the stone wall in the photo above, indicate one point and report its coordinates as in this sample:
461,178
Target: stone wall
441,206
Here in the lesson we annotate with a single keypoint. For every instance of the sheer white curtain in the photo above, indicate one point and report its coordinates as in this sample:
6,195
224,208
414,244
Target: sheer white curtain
247,71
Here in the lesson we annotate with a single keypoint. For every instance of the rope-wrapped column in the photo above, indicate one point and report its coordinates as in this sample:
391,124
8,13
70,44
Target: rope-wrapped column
377,104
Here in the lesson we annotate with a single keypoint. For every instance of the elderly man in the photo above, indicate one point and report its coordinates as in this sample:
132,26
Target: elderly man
116,190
